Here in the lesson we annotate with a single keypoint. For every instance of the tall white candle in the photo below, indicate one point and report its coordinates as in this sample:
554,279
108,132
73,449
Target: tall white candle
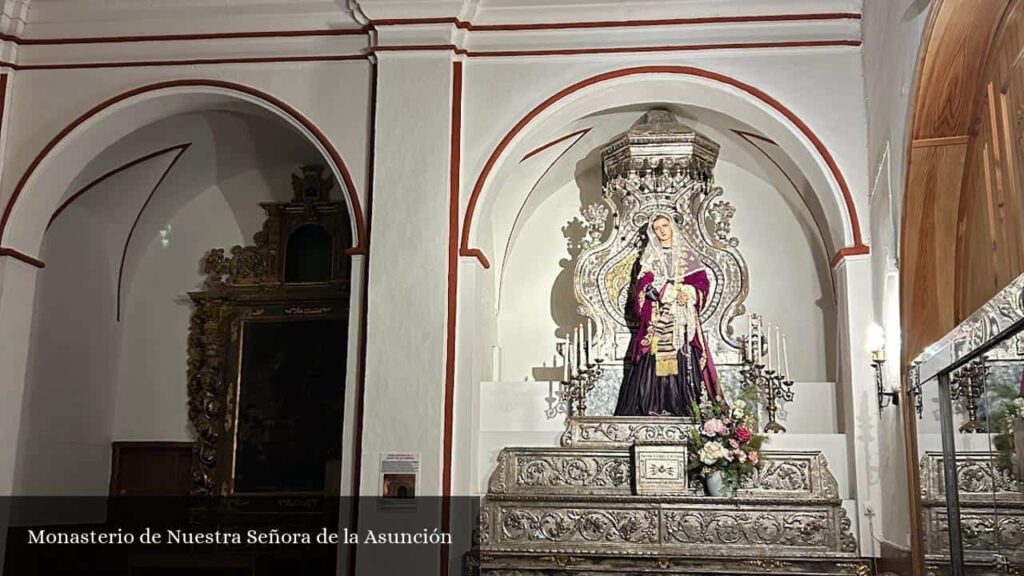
785,358
579,356
778,349
586,342
768,344
568,357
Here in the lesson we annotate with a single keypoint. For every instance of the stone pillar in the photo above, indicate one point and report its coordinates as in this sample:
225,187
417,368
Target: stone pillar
17,295
407,323
855,314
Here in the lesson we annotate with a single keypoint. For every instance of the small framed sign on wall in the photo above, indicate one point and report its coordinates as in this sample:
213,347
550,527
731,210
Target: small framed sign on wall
399,472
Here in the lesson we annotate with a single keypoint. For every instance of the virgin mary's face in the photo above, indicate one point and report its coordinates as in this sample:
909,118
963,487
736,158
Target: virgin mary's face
663,230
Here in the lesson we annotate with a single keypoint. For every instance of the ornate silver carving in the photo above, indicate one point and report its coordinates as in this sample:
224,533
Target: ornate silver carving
623,431
757,528
681,526
565,504
978,479
847,543
721,214
596,216
585,471
659,166
1006,307
991,508
521,524
560,471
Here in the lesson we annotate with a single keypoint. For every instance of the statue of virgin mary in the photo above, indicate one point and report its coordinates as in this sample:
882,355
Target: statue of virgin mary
669,361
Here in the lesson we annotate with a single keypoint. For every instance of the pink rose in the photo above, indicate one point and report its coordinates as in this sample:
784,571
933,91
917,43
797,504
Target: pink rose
743,434
733,443
713,427
753,457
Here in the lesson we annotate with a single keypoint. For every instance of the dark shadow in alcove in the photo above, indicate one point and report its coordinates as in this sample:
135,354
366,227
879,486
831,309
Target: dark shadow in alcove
309,255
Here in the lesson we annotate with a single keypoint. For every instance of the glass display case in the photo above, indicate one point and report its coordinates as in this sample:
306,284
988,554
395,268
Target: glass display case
968,395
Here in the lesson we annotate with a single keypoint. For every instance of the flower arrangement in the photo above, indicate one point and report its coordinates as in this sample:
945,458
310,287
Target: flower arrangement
725,442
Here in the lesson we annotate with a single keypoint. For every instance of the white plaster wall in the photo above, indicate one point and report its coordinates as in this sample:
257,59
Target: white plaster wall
151,395
782,251
70,398
892,35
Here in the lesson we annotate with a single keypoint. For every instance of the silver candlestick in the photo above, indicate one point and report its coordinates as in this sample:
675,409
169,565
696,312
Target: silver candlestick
581,381
774,386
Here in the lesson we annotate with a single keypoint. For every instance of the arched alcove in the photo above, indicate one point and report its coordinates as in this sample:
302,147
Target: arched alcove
548,121
123,241
789,193
778,224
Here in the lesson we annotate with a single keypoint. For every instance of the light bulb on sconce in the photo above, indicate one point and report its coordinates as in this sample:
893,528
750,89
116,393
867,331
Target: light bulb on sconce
885,397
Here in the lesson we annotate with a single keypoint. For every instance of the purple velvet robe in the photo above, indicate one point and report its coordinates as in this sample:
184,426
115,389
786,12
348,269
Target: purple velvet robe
643,392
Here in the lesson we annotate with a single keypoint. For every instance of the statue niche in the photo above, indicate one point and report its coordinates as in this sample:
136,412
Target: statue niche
616,497
660,305
267,351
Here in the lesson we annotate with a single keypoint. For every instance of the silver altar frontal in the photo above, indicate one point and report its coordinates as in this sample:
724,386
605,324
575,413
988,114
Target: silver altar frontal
614,497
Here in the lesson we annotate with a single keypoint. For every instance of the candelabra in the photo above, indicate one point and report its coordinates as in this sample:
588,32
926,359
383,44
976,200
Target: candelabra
914,388
773,386
557,398
968,384
582,380
582,374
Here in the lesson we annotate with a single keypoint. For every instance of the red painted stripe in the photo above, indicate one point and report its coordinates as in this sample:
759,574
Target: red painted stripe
110,173
849,251
131,231
357,452
465,248
363,30
434,47
616,50
22,257
419,48
182,37
670,48
740,19
579,134
515,222
749,137
193,62
453,293
321,138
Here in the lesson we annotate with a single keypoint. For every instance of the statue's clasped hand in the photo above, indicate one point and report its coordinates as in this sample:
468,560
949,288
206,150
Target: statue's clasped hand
651,293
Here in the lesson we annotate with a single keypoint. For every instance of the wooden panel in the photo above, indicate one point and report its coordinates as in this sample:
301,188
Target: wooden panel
151,468
929,244
990,250
951,71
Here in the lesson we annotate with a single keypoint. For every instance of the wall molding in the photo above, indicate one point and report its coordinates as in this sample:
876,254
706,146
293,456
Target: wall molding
21,256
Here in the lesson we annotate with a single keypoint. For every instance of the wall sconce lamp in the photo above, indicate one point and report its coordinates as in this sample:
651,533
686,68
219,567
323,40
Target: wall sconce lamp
885,398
